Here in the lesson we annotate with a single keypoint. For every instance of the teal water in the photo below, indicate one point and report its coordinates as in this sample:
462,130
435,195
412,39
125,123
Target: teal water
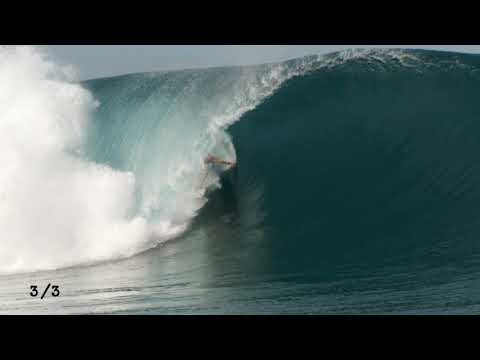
356,190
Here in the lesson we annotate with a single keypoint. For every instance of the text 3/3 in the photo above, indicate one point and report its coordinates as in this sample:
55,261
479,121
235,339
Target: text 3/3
55,291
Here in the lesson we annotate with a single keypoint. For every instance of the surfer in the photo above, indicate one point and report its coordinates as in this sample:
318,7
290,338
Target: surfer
214,160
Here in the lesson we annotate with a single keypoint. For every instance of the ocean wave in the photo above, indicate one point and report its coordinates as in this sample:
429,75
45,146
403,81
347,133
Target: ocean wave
361,151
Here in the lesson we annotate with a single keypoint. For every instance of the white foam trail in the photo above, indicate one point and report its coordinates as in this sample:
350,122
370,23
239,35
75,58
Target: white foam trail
56,209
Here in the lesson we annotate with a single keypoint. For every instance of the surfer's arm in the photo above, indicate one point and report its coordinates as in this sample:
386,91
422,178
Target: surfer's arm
213,159
225,162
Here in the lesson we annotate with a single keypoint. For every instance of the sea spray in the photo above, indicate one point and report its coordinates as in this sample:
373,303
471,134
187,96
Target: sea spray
56,208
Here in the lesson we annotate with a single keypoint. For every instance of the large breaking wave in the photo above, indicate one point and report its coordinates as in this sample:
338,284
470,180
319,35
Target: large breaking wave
367,141
84,181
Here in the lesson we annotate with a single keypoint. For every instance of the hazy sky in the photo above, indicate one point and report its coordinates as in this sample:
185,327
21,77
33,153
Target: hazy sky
93,61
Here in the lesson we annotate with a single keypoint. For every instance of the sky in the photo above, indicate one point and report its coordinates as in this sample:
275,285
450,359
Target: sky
94,61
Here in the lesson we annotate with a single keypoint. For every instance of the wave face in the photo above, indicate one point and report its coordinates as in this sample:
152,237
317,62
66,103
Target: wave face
370,162
357,157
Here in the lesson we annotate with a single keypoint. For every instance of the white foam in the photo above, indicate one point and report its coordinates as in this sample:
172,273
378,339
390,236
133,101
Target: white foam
56,209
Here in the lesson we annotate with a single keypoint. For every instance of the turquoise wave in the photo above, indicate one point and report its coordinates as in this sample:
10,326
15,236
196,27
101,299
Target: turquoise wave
356,159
